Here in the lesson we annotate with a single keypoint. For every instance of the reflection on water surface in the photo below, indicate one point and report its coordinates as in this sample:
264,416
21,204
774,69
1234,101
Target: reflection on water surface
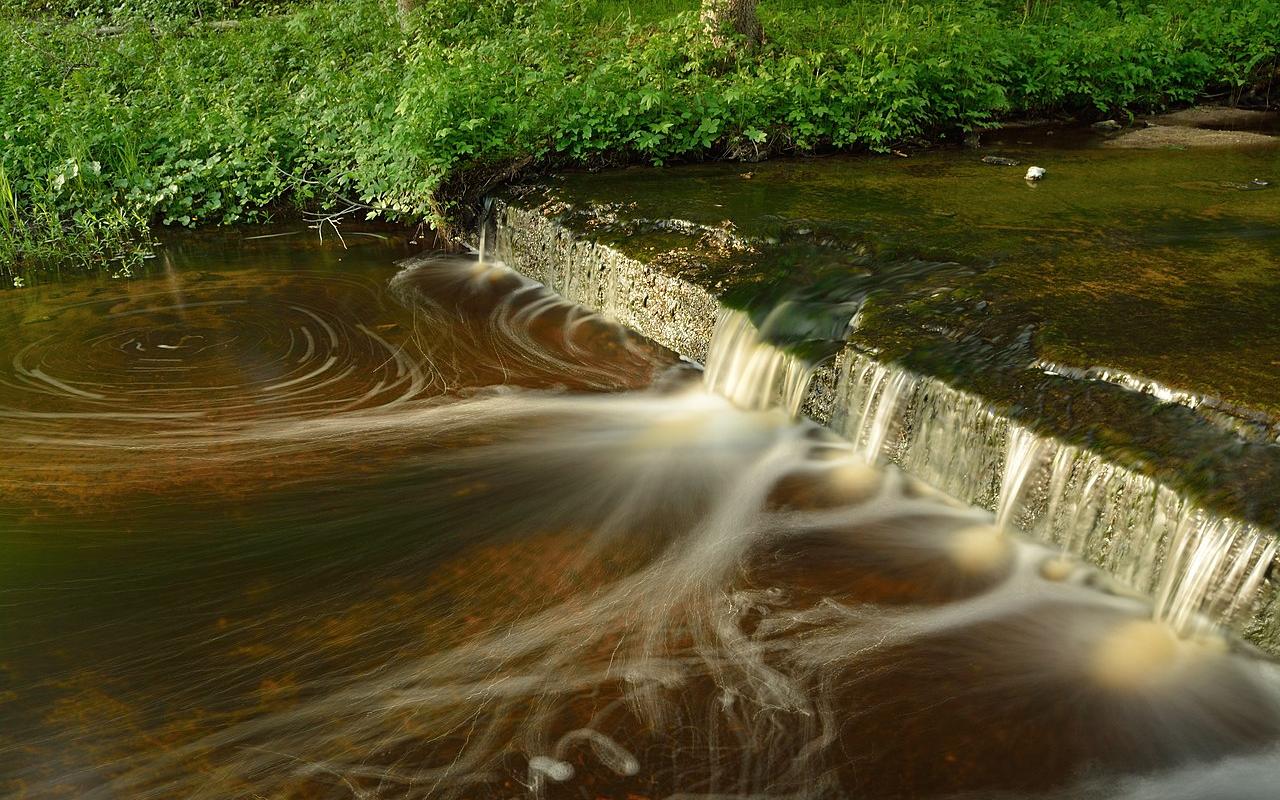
280,527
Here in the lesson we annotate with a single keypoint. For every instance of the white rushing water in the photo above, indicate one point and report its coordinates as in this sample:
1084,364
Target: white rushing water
752,373
1198,566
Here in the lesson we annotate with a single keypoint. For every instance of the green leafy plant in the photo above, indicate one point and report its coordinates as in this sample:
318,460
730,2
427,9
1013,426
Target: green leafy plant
332,102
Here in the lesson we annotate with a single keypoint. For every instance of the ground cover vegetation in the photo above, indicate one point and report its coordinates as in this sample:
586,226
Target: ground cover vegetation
119,114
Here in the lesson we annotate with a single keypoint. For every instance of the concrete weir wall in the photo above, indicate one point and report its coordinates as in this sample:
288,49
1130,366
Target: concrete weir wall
1145,534
672,312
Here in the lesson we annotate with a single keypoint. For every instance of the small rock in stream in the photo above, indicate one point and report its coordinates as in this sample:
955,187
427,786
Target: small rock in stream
1000,161
1251,186
1107,125
1034,173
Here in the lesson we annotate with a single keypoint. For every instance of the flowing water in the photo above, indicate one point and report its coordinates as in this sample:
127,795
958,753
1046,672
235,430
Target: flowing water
1201,568
275,526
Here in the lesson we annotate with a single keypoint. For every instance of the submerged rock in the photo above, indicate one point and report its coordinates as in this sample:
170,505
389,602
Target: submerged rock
1222,118
1160,136
1249,186
1000,161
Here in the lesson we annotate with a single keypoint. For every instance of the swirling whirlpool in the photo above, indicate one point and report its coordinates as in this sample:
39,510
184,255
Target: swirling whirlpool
190,371
222,354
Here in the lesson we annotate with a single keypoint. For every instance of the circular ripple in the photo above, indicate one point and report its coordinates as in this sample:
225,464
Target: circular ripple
175,379
233,348
209,378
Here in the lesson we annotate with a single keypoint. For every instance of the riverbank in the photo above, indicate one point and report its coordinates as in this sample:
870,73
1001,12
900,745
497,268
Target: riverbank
333,107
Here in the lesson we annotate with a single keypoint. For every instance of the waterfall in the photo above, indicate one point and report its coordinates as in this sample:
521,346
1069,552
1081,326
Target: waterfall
877,407
486,210
751,373
948,441
1198,567
1022,457
1214,567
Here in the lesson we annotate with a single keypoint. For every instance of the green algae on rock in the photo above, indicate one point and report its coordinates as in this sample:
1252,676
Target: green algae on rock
1156,264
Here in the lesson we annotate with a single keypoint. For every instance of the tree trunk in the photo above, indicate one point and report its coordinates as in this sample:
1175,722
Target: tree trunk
404,8
737,16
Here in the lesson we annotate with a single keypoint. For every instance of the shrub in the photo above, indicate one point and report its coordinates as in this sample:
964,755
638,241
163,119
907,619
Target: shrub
186,124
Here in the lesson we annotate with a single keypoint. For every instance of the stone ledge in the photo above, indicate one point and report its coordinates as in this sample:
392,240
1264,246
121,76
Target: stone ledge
680,314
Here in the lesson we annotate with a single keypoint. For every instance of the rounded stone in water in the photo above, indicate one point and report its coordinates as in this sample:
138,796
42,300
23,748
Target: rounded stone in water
979,548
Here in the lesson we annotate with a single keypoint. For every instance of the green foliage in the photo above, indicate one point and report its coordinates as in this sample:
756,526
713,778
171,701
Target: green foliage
189,124
36,233
592,81
118,11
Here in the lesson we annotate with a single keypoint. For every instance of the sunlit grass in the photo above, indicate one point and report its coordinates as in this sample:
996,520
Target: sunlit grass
187,124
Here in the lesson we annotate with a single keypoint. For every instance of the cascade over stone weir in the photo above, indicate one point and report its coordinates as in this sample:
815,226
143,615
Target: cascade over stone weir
1196,565
1200,567
751,372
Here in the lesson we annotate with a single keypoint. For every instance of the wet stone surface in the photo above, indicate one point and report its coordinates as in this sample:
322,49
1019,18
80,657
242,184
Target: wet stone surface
1128,302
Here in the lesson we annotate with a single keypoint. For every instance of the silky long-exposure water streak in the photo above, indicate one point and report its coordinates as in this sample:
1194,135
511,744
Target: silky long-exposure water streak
281,528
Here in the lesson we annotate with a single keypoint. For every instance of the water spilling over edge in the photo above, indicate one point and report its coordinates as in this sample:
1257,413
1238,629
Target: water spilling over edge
1200,569
1121,520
